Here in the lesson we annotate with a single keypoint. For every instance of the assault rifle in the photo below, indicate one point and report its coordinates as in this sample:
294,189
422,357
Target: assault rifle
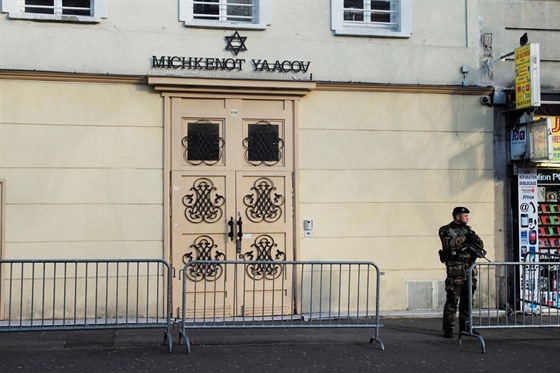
475,249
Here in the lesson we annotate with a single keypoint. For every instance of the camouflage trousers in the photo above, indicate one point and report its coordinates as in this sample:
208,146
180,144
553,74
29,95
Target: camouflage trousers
457,293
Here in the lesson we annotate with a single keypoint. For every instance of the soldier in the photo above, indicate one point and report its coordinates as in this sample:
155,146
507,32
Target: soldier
460,248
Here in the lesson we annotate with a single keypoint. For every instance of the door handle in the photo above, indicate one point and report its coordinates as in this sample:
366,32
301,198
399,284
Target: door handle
230,223
239,224
239,228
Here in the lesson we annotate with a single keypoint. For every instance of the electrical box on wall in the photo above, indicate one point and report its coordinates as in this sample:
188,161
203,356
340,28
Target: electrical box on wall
308,228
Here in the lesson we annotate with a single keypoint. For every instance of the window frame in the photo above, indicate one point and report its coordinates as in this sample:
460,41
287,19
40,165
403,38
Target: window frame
343,28
262,9
16,10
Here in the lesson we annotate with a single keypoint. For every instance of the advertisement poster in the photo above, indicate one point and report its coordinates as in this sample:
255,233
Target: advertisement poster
528,235
519,143
528,214
527,76
555,124
541,140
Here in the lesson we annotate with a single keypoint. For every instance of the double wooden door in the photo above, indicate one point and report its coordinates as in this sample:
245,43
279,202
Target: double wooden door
231,199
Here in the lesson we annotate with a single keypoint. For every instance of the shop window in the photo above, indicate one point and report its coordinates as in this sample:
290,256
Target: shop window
387,18
238,14
87,11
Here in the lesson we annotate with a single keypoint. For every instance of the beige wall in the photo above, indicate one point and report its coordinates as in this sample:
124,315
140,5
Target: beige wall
83,169
445,36
507,21
379,173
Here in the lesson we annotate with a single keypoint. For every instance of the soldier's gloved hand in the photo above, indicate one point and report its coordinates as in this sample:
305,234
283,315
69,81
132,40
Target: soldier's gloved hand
471,237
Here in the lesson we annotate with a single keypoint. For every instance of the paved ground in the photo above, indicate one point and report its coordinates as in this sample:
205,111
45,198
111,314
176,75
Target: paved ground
411,345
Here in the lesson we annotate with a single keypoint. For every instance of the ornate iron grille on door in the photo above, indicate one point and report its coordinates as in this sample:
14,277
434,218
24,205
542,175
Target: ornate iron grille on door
203,143
204,204
262,249
262,204
204,249
263,144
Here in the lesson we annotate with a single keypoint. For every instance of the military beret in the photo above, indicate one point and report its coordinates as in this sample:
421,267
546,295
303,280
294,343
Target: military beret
460,210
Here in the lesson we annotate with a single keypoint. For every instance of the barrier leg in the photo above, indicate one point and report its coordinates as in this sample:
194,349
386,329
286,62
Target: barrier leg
477,336
379,342
185,337
168,340
376,339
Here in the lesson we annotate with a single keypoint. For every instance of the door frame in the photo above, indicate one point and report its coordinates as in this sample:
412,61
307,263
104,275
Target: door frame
170,88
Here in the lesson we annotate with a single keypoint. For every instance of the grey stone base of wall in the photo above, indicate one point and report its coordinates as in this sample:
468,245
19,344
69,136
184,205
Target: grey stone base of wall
425,295
416,314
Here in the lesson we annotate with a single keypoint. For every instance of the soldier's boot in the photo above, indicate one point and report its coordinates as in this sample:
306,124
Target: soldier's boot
448,326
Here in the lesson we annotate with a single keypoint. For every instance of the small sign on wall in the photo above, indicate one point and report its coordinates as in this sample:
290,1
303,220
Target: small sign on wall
519,143
540,140
527,76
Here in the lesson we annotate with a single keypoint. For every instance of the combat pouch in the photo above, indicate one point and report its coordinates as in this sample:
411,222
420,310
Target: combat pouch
442,256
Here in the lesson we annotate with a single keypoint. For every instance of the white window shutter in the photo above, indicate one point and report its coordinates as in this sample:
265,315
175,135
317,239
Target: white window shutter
185,10
264,12
336,14
10,6
405,12
100,8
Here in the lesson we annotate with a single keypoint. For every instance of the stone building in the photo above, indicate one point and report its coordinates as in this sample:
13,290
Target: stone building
141,129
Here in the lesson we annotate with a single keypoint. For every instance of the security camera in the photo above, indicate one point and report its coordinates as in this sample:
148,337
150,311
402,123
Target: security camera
485,100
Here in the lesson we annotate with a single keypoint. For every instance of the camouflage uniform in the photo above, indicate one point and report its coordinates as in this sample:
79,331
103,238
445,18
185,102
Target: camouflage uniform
457,262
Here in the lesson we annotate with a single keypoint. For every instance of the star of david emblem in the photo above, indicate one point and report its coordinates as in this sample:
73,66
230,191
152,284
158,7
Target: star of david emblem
236,43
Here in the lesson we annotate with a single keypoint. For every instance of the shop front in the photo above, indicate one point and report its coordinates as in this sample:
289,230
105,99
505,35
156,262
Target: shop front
535,146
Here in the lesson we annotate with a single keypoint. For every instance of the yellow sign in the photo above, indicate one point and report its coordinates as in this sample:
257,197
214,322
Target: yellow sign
527,76
555,137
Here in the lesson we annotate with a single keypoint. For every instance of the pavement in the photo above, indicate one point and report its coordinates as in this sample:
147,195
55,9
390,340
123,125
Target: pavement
412,344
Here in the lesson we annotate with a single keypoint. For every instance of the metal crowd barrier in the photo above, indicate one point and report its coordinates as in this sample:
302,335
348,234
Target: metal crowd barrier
272,294
85,294
514,295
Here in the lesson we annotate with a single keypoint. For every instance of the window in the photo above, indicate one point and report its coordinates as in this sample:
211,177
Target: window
70,7
203,143
263,143
390,18
238,14
56,10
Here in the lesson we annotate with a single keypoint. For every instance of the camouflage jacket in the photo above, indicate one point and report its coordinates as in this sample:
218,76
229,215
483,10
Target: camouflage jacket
453,248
